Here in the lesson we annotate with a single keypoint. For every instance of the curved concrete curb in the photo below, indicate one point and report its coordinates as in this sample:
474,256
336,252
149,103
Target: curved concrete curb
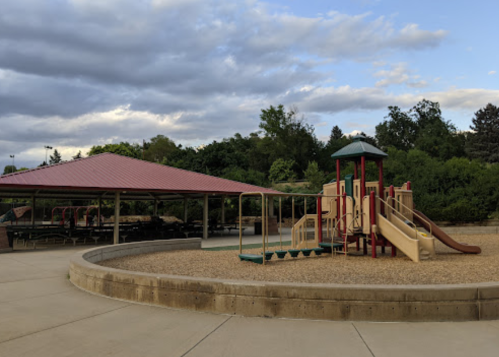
304,301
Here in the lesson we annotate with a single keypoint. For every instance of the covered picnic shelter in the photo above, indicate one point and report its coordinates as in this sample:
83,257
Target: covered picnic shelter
109,176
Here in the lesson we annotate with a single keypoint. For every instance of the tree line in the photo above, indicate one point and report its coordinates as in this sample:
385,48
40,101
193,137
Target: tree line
454,174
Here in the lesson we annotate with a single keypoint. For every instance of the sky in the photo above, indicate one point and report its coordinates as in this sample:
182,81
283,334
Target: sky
78,73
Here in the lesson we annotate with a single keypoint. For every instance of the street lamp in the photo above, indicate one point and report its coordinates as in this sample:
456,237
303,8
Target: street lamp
12,157
47,148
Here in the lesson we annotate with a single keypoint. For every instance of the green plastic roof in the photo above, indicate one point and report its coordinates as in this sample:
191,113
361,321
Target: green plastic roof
359,148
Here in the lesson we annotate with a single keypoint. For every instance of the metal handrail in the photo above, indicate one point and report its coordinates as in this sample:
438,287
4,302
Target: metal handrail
334,230
414,213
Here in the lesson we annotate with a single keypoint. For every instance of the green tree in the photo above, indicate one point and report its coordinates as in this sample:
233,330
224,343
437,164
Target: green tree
314,176
8,169
398,130
281,170
123,149
55,158
160,149
78,155
484,142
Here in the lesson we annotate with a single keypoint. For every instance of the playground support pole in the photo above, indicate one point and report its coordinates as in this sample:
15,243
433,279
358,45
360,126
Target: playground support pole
409,186
263,228
205,216
363,176
381,187
240,223
280,223
392,194
345,222
338,178
372,201
319,216
116,233
292,222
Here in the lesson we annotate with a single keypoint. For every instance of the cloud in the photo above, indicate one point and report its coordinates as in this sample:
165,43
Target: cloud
75,73
398,74
492,73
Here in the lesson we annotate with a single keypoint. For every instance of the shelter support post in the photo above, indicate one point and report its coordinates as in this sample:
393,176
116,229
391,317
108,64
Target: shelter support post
185,210
363,176
223,212
338,179
99,211
33,206
205,216
117,218
155,209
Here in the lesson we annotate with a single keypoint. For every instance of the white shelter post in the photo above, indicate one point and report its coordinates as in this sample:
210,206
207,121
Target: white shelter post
117,218
205,217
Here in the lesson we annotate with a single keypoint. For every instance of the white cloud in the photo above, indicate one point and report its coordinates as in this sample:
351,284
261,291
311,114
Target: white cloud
492,73
398,73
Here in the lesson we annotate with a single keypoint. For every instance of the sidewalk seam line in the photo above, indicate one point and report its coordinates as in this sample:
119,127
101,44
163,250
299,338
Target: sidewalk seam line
64,324
362,338
205,337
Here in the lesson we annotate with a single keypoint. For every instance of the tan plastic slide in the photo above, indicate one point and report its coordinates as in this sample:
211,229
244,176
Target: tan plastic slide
410,242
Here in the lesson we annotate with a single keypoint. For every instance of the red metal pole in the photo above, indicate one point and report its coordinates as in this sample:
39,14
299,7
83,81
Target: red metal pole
381,186
356,170
373,221
363,176
319,217
392,194
409,186
345,221
338,193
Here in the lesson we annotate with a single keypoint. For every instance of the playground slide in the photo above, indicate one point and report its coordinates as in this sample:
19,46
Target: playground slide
425,243
408,246
443,237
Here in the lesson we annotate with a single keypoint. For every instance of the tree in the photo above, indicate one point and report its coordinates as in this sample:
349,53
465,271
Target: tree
314,176
159,149
9,169
123,149
281,170
55,158
398,130
78,156
484,142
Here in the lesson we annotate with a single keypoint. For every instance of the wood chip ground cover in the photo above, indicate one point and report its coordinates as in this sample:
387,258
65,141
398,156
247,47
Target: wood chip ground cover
448,267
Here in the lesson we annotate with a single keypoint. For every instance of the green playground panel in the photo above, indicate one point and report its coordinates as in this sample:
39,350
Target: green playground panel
318,251
281,253
306,252
254,258
294,252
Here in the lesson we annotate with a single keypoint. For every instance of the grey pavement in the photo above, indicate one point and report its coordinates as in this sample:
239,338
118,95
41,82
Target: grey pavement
43,314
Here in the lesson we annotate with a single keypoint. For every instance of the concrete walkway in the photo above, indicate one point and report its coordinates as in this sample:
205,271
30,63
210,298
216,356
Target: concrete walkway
42,314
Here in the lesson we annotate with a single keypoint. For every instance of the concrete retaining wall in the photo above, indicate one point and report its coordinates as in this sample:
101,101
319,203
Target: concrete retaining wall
305,301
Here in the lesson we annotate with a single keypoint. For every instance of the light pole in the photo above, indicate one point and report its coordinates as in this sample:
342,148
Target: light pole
47,148
12,157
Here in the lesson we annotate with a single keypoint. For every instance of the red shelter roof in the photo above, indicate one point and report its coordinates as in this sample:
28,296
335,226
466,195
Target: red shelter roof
111,172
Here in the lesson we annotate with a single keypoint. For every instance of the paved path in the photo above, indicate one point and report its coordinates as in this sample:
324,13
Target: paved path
42,314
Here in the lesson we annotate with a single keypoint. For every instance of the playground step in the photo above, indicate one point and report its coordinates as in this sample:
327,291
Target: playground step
251,258
334,245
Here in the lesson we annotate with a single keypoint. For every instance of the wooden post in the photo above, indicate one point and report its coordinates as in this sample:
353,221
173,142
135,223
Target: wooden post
344,223
205,216
117,218
392,194
319,217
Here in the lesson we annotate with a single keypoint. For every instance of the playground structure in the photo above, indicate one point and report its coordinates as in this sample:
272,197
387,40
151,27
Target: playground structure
356,210
73,213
